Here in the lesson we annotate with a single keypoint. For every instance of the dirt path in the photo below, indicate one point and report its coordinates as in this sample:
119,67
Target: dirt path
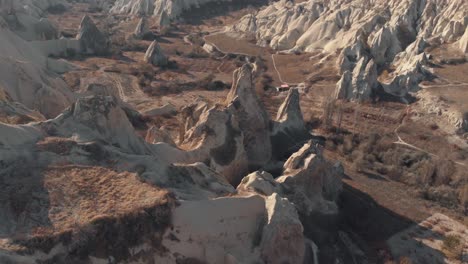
400,141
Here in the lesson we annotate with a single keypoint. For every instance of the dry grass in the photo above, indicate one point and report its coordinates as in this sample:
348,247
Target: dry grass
78,195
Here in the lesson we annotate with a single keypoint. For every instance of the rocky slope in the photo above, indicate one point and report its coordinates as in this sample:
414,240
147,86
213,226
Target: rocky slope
369,35
27,76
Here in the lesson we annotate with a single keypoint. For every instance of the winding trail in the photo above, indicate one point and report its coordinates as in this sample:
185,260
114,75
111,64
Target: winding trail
278,72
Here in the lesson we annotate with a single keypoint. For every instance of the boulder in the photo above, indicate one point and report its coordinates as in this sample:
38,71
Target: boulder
92,40
154,55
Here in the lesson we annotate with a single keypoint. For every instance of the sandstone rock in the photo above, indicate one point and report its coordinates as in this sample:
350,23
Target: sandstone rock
360,84
306,175
165,110
155,135
407,76
39,87
260,182
385,46
343,88
197,181
283,230
16,113
289,130
141,29
155,55
92,40
252,117
217,137
463,42
99,118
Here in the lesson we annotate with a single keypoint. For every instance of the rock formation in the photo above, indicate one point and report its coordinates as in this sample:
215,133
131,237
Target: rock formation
289,130
91,39
159,8
217,136
32,84
252,117
360,84
463,42
94,141
313,183
141,29
282,230
375,31
155,55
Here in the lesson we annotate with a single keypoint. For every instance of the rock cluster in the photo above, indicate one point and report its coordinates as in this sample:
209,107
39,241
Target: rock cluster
263,220
372,35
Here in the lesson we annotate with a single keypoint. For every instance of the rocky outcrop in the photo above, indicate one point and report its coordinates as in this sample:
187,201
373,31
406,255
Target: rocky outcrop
260,182
141,29
216,136
360,84
154,55
289,130
99,118
91,39
252,117
283,230
312,182
463,42
155,135
32,84
16,113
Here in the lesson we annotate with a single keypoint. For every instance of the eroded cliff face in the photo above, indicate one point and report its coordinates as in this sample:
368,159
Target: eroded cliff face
369,35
